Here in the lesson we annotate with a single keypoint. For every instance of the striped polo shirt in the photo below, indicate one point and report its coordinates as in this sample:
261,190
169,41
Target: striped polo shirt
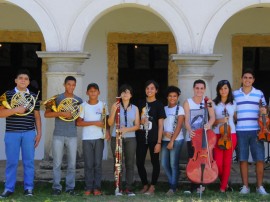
20,123
247,109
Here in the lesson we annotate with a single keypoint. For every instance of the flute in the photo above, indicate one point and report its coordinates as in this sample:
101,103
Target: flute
118,152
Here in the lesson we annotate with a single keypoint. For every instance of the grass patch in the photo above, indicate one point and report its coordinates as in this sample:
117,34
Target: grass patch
43,194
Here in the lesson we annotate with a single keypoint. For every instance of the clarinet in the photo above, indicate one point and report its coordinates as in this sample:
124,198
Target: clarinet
175,118
118,152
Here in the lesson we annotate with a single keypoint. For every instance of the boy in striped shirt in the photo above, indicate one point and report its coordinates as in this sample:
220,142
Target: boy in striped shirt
22,133
247,112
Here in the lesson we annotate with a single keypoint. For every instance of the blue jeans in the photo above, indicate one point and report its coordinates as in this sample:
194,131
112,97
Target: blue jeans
249,139
58,149
170,162
14,141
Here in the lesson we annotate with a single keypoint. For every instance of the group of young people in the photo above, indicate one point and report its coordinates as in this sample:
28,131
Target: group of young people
148,126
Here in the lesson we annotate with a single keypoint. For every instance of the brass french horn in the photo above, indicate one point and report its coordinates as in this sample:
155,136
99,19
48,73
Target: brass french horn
71,105
20,99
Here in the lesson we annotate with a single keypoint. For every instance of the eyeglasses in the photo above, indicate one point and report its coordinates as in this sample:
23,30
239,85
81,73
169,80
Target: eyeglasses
223,82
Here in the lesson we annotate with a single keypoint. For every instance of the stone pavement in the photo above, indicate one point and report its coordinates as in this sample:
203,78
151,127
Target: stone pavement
46,174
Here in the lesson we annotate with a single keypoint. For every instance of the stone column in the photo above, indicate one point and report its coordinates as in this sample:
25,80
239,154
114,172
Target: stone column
60,65
193,67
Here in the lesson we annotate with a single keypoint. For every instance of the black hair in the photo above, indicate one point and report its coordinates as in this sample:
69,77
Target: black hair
122,89
173,89
230,95
248,71
125,87
23,71
69,78
92,85
199,81
147,83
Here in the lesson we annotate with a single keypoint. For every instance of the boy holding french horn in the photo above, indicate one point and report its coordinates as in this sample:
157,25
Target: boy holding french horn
65,108
93,119
23,132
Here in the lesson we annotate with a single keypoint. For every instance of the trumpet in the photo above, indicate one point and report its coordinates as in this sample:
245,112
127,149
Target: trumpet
20,99
71,105
104,120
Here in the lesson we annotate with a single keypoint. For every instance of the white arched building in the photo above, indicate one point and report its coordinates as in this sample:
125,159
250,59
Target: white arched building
205,40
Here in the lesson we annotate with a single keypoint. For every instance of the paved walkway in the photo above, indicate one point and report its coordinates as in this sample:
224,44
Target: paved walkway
46,174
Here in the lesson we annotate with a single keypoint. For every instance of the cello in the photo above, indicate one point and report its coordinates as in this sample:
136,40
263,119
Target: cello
264,122
225,141
202,168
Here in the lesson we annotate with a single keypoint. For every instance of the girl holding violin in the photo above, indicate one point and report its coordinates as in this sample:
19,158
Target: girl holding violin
225,108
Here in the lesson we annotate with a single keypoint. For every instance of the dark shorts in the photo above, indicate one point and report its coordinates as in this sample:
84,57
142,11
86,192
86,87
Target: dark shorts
249,140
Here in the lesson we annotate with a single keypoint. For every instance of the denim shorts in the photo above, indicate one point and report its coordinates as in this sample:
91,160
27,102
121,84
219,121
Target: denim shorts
249,139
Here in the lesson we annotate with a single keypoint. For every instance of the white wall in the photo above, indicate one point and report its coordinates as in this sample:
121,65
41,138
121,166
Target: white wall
251,21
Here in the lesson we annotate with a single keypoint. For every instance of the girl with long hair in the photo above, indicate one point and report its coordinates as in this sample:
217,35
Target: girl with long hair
225,109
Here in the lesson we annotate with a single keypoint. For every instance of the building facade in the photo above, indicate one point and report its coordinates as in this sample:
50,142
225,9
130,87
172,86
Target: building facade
205,40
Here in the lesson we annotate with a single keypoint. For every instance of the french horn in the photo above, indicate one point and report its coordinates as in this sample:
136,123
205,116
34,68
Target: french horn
24,99
71,105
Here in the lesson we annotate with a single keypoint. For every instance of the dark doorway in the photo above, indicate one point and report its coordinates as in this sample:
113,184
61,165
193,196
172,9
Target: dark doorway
141,62
15,56
258,59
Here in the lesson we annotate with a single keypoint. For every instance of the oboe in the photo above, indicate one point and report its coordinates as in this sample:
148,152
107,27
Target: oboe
118,152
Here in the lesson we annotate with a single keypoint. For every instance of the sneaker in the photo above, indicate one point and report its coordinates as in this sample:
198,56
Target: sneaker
56,192
6,194
244,190
88,193
28,192
129,192
261,191
71,192
170,192
97,192
118,193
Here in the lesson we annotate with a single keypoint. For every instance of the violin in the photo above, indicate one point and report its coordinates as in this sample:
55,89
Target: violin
264,122
225,141
202,168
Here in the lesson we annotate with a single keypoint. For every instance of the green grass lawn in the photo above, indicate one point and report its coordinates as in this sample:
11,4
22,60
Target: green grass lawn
43,194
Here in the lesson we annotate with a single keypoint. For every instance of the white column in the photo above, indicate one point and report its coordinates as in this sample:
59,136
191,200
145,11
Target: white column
61,65
193,67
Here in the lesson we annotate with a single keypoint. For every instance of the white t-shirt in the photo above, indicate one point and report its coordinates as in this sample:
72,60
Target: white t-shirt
219,112
169,121
92,113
